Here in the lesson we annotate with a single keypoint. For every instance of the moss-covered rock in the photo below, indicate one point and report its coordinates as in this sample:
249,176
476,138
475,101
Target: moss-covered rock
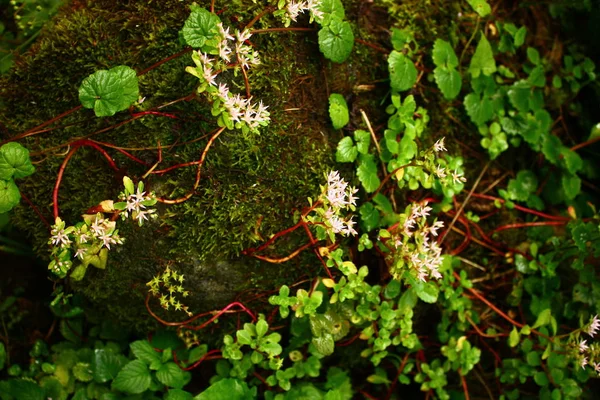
250,186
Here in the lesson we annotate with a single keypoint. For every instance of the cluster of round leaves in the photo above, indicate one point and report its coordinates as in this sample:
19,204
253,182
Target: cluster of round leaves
14,164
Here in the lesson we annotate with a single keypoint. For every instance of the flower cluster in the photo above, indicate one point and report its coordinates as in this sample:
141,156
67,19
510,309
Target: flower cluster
134,202
166,287
296,8
89,241
413,244
442,173
239,110
336,197
589,354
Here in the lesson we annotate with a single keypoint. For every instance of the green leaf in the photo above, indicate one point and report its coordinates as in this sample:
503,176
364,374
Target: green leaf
145,352
178,394
82,372
551,148
133,378
513,338
262,327
171,375
201,28
480,109
537,77
541,378
427,291
525,184
338,111
346,150
481,7
533,55
336,40
363,141
26,390
243,337
324,344
330,9
449,81
129,82
572,160
543,318
109,92
400,37
444,55
106,365
14,162
520,36
228,389
519,94
403,73
571,185
369,216
483,60
367,173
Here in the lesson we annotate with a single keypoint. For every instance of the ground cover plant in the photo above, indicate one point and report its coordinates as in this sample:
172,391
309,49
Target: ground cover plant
317,199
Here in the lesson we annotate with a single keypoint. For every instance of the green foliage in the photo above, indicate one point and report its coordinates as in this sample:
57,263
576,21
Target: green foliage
481,7
338,111
336,40
483,60
14,164
403,73
201,31
446,76
108,92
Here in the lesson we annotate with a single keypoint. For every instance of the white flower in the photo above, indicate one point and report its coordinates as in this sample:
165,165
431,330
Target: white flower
312,6
439,145
458,178
204,58
98,227
223,92
352,199
337,225
440,172
60,238
349,228
294,9
436,225
80,253
224,32
592,329
584,362
583,347
107,240
597,367
243,36
209,76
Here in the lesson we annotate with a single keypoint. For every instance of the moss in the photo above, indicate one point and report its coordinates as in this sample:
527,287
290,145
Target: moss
251,186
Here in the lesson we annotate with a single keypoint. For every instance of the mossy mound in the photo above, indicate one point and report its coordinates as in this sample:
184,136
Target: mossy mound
250,186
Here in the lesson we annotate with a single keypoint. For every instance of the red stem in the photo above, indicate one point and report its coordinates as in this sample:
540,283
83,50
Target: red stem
76,146
524,209
528,224
37,211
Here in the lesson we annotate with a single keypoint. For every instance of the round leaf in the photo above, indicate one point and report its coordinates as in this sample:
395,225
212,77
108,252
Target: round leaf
134,378
338,111
14,161
403,73
449,81
336,40
103,92
200,28
9,195
171,375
